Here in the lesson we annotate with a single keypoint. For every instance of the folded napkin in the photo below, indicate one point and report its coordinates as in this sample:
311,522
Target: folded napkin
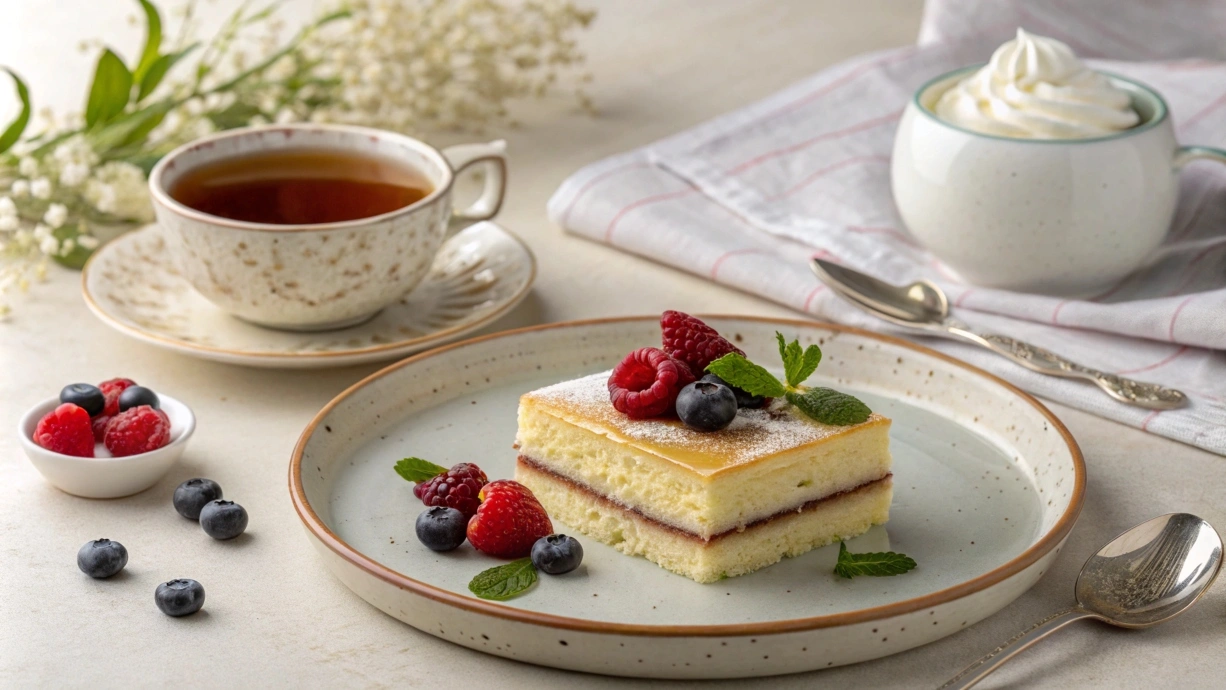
749,197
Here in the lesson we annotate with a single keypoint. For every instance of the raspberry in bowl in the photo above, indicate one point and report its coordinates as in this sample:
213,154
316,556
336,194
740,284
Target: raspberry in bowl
107,441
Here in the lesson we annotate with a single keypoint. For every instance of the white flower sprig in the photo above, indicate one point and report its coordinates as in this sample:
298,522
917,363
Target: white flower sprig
406,65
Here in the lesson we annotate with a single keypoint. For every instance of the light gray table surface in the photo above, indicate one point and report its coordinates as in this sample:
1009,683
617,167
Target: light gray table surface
276,617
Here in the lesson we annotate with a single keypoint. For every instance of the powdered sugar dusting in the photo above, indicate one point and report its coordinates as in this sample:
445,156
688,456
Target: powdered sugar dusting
753,435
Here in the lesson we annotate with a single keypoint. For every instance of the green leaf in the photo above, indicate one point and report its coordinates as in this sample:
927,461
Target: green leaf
737,371
829,406
808,365
418,470
76,258
879,564
157,71
110,91
153,41
237,114
798,365
128,129
505,581
145,161
12,133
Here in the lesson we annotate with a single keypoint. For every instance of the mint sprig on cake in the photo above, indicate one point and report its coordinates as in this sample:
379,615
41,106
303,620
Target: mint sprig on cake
824,405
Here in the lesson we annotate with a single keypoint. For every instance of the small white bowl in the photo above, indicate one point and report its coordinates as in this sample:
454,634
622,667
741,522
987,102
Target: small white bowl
107,477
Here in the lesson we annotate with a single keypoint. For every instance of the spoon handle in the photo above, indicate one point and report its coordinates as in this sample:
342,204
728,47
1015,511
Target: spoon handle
994,659
1150,396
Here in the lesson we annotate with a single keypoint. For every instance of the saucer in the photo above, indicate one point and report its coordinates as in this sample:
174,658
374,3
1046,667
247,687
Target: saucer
480,274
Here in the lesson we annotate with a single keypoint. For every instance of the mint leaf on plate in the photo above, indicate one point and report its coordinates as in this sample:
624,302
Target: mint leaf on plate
418,470
829,406
744,374
798,365
880,564
505,581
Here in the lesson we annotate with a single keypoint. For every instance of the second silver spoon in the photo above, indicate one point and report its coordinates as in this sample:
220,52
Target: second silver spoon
923,306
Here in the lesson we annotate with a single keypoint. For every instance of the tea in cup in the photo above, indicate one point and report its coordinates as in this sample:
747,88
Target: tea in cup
311,226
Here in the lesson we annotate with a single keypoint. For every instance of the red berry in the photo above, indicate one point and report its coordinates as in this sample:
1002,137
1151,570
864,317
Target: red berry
509,521
693,342
138,430
456,488
645,383
111,389
100,423
66,429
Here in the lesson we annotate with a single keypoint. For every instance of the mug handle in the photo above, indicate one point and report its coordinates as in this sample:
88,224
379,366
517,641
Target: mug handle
1187,154
493,157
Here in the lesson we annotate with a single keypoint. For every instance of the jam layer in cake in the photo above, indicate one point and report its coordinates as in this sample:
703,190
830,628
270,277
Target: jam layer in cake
773,483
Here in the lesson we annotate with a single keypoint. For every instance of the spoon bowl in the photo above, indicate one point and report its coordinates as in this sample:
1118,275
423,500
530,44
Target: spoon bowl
1147,575
1151,573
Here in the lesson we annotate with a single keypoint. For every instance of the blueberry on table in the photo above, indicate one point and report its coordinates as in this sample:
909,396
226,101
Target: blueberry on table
83,395
557,554
191,495
102,558
181,597
706,406
223,519
135,396
743,398
441,528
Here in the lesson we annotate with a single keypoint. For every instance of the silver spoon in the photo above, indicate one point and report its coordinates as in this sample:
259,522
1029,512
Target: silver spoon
923,306
1147,575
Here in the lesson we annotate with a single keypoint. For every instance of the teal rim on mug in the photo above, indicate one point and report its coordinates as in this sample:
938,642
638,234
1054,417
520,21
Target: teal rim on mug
1145,101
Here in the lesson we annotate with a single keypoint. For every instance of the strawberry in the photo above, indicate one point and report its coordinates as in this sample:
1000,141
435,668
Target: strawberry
509,521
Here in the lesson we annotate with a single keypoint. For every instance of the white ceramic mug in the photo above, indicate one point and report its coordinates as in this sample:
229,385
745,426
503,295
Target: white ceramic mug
327,275
1056,216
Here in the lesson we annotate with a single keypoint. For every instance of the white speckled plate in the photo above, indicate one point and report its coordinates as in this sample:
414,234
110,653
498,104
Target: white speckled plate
479,275
987,485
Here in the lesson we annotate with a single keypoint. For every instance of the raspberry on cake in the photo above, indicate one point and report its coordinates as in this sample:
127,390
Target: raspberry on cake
706,505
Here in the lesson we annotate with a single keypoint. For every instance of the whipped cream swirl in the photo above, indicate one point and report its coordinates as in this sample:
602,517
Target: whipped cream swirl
1036,88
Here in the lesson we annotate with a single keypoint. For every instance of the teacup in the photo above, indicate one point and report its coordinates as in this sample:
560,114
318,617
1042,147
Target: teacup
1060,216
327,275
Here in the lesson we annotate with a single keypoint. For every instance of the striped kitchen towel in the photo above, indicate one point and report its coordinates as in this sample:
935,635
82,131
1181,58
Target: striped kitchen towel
747,198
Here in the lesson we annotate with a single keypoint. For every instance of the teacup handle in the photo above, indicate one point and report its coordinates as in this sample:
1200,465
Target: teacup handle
493,157
1187,154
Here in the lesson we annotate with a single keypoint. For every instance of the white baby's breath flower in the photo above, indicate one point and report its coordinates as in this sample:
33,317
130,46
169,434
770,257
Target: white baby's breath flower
9,223
20,188
281,69
49,246
56,215
41,232
28,167
73,174
67,246
119,189
88,241
7,207
40,188
75,149
23,238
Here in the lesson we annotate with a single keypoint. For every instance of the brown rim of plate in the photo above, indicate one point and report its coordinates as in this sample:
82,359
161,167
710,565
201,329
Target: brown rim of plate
1045,544
155,339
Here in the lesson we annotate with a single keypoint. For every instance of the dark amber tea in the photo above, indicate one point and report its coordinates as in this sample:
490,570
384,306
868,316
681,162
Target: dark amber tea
300,187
